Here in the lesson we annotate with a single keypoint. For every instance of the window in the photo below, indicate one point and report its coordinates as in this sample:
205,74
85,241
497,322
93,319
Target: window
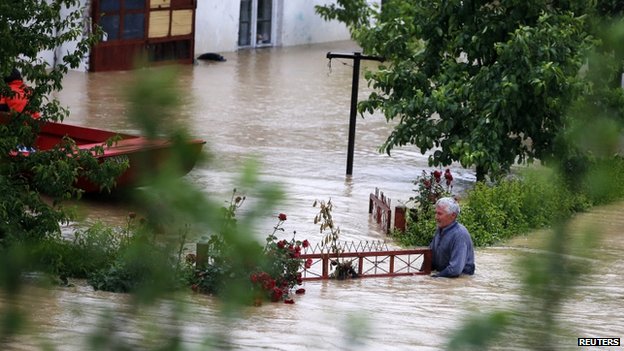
255,23
122,19
160,31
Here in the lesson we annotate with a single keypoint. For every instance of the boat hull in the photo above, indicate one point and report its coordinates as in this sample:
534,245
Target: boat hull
146,157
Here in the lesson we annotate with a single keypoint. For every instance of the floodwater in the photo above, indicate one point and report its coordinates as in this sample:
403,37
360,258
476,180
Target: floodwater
288,109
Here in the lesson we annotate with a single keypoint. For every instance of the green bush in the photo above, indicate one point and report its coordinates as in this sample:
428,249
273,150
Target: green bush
90,249
139,265
498,211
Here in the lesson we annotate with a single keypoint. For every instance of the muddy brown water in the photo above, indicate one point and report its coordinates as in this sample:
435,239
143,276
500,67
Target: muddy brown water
289,110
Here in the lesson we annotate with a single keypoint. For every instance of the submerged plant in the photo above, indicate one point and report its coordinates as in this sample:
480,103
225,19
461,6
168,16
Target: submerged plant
343,268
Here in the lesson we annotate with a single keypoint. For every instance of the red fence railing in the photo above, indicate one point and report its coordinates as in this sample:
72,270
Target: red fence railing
386,263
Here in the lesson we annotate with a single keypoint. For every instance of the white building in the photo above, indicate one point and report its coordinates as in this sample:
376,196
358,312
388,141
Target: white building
181,30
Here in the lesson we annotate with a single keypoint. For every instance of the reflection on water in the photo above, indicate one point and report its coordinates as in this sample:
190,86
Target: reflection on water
285,107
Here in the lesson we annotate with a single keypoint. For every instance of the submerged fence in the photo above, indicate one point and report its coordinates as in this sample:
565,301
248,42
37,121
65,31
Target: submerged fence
380,208
366,260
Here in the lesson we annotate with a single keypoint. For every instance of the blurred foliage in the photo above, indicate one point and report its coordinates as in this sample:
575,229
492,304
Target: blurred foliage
29,219
144,258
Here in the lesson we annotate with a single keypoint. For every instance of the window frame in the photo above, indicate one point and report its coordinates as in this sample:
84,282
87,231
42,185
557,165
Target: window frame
122,13
253,24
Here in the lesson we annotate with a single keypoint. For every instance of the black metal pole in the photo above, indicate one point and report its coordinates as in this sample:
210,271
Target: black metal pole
353,113
357,57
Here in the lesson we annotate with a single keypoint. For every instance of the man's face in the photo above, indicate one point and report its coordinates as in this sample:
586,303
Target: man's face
443,218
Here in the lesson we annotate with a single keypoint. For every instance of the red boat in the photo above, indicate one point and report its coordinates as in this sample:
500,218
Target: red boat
145,156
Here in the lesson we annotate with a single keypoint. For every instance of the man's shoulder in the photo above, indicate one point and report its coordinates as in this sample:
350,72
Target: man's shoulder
459,229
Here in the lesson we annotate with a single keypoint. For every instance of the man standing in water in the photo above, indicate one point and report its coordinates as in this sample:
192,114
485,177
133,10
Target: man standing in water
451,247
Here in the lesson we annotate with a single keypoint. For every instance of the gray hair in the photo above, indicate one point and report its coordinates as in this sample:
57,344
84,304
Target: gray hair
449,204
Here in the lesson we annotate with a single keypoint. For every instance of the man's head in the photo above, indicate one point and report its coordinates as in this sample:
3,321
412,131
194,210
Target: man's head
447,210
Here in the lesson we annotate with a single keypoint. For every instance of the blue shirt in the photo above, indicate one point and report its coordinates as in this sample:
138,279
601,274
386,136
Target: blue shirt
452,251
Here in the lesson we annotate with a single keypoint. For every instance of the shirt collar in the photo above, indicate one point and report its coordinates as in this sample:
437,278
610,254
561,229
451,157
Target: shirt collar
448,227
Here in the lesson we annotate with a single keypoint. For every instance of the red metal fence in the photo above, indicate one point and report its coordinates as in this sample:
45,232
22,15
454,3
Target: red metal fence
368,260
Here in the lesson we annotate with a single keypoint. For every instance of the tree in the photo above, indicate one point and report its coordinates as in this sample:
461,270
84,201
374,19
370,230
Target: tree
484,83
28,28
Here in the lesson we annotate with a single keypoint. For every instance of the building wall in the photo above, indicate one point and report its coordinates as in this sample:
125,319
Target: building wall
52,56
301,25
216,24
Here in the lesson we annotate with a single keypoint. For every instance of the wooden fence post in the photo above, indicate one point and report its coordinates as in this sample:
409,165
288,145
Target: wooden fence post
399,218
201,255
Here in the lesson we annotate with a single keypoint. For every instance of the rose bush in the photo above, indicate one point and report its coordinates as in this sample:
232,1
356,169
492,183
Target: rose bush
430,189
283,271
273,280
421,224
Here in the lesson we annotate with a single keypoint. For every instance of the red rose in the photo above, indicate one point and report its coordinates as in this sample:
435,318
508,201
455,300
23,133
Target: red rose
305,243
269,284
300,291
276,294
281,244
308,263
289,301
282,217
437,175
448,176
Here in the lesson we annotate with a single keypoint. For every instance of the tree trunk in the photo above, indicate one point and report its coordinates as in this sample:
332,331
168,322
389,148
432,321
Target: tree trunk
480,173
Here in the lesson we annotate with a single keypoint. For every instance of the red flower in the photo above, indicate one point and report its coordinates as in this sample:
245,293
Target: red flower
305,243
308,263
267,282
281,244
289,301
300,291
437,175
448,176
282,217
276,294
